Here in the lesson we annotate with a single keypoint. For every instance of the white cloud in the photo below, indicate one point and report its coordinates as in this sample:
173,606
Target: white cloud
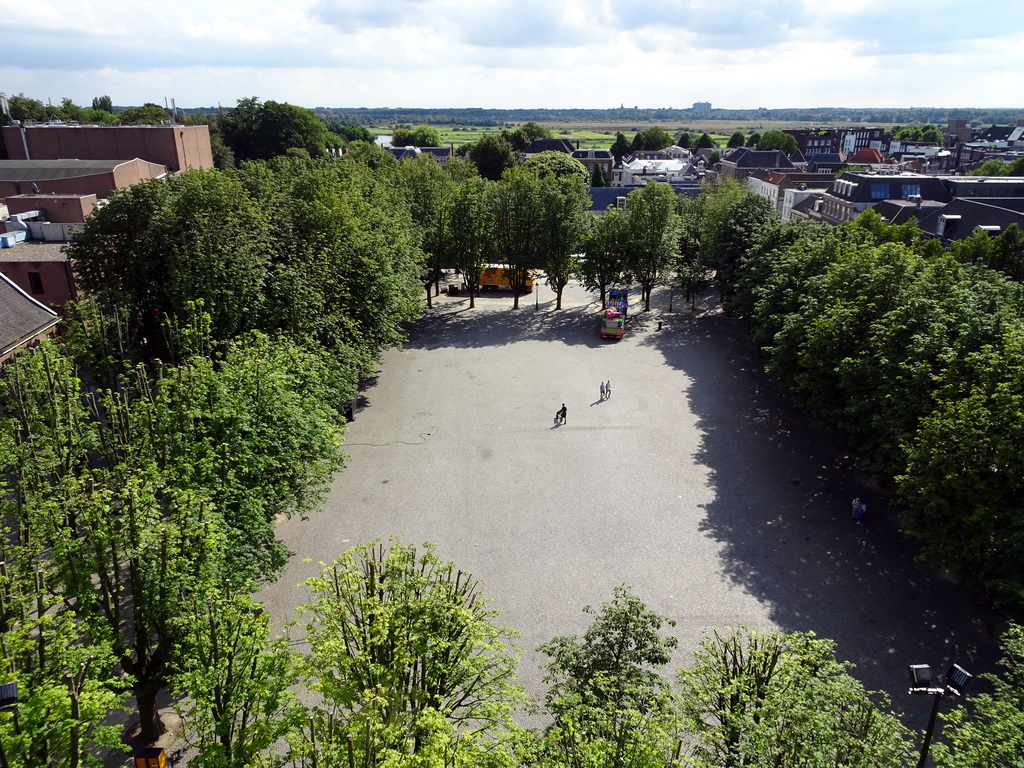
542,53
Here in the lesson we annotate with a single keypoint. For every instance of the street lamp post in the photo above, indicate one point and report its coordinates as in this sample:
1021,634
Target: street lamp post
921,682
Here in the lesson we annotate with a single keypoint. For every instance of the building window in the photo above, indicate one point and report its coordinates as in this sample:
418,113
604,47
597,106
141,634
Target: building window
911,189
35,282
879,191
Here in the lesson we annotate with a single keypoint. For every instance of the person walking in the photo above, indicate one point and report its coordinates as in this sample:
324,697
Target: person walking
562,413
602,390
862,514
855,508
608,389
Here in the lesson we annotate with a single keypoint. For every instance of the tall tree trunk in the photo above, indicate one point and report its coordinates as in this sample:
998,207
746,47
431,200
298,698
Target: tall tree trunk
150,724
428,296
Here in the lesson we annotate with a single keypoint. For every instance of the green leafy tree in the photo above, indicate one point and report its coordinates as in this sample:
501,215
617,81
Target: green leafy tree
406,658
147,114
165,486
156,246
67,685
653,226
354,133
619,653
754,699
621,147
426,136
103,103
784,142
493,155
964,464
599,178
927,134
651,139
24,108
736,140
994,167
991,731
730,232
684,140
554,163
604,243
260,131
609,703
753,139
705,142
427,188
519,226
468,230
234,682
564,202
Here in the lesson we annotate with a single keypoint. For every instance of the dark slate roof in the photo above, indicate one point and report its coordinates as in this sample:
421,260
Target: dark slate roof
22,318
602,198
998,133
751,158
902,211
797,157
603,154
47,170
876,187
826,158
403,153
974,213
550,145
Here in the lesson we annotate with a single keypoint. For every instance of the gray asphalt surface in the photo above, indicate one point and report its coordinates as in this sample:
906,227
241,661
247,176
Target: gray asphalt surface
695,483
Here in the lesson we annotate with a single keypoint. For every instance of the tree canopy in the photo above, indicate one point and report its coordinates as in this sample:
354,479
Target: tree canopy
554,163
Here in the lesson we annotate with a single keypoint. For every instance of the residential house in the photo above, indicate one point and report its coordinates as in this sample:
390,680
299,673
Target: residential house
962,217
43,271
846,141
548,145
596,158
742,162
784,190
853,193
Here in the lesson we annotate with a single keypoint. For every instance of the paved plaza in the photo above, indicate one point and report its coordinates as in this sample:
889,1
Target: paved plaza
695,483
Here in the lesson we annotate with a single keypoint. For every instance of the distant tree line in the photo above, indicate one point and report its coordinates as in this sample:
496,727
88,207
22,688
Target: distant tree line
381,117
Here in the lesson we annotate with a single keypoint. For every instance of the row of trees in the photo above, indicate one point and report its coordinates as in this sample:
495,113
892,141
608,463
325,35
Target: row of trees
912,353
407,666
535,218
149,452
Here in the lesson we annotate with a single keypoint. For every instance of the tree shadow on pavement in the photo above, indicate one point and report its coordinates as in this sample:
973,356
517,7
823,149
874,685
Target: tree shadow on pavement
781,513
445,326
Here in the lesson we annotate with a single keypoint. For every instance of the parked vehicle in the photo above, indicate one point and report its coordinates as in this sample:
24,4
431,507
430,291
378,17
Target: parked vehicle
493,277
613,317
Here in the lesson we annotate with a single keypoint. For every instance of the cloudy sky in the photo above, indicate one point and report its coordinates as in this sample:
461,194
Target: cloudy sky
517,53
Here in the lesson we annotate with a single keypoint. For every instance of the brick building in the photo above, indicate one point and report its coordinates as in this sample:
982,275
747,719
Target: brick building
176,147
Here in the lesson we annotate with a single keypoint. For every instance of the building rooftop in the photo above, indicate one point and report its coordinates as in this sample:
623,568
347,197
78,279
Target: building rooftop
34,250
47,170
22,318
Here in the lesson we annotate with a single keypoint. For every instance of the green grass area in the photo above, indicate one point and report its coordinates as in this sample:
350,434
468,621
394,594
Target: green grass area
602,135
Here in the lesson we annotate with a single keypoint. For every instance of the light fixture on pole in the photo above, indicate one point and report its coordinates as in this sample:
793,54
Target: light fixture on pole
921,681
